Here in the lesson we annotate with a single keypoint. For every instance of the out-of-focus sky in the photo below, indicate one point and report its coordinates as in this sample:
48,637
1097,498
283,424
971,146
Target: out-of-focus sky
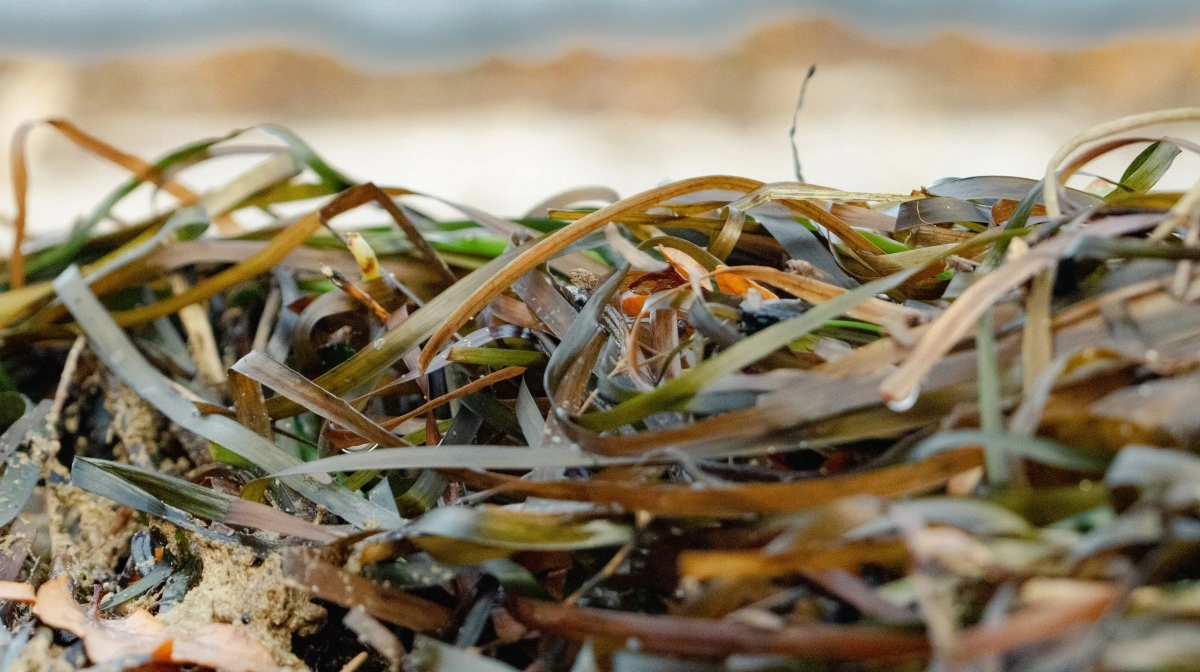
501,103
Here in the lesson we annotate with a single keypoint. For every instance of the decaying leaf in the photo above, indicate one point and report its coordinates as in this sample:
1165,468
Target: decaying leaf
143,638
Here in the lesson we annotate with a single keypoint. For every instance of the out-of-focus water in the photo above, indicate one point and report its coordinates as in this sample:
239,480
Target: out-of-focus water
393,33
502,135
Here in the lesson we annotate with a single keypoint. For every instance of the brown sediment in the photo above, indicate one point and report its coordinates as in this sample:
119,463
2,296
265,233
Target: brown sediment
236,587
82,533
139,428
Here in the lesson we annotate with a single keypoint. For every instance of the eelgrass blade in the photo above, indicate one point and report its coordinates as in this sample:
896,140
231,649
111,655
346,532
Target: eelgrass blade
196,500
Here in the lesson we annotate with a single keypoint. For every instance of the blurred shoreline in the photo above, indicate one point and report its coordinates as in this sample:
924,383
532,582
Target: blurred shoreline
503,133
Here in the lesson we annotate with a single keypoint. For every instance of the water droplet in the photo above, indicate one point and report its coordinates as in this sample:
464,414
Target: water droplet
901,405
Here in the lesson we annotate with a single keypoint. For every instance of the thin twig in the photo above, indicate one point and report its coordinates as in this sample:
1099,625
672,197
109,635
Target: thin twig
357,294
812,70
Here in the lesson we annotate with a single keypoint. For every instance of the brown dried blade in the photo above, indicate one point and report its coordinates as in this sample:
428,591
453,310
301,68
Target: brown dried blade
736,500
329,582
296,387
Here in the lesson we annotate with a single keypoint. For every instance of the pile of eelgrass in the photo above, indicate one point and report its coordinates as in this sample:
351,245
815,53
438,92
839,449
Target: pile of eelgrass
719,424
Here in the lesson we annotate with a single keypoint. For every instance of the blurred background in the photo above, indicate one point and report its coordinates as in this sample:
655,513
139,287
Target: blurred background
501,103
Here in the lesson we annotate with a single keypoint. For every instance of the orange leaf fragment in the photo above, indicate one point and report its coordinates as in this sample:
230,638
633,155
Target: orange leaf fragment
632,303
163,653
732,283
683,263
1004,208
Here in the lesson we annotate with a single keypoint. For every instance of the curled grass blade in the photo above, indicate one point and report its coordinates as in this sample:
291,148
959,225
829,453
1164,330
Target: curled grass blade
118,353
743,353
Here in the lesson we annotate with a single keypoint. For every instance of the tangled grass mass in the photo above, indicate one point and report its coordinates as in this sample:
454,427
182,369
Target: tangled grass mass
717,425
